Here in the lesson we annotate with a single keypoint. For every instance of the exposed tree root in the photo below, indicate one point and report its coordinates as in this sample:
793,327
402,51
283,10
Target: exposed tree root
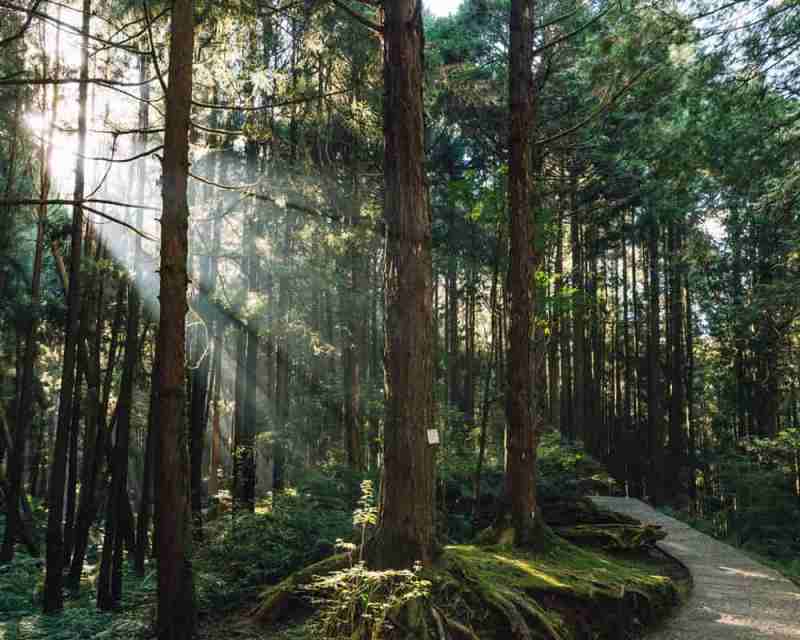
275,600
487,593
623,537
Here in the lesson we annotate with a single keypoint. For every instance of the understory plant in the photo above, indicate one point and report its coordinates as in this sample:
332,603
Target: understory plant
358,602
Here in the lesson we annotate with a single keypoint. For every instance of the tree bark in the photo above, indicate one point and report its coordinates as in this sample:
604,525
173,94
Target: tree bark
405,533
522,431
176,607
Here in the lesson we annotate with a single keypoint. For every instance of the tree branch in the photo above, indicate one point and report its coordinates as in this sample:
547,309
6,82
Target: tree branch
24,28
358,17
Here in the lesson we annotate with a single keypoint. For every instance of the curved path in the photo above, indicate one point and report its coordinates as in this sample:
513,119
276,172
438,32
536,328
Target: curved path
734,597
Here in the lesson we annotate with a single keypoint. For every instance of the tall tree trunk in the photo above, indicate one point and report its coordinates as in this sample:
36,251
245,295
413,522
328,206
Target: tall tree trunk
96,434
405,532
692,442
176,608
554,379
143,519
491,366
522,428
144,511
53,596
677,409
627,368
247,437
109,586
72,475
282,364
354,339
655,413
578,328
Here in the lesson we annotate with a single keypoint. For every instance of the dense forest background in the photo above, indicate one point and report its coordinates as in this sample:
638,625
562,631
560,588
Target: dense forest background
665,274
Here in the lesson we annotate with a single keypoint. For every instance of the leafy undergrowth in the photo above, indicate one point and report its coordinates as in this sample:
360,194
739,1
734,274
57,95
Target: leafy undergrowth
242,553
20,606
239,555
562,593
21,586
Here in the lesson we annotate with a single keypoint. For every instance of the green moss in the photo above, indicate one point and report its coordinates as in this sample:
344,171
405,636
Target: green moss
563,592
550,592
613,536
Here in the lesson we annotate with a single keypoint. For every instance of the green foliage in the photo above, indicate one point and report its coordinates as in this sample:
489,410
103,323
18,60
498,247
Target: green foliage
21,584
245,552
565,470
366,515
751,498
357,599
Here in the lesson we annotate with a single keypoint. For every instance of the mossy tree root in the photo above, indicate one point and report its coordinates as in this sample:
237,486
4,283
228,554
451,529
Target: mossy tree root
276,599
525,619
622,537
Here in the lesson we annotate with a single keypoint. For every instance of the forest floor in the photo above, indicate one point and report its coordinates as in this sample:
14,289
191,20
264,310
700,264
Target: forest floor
734,597
573,587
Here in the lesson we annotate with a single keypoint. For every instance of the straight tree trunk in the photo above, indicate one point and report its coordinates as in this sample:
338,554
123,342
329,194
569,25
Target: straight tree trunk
578,330
692,441
354,339
96,434
54,568
405,532
109,588
677,409
176,607
282,364
522,428
627,367
247,438
491,367
655,413
145,507
554,360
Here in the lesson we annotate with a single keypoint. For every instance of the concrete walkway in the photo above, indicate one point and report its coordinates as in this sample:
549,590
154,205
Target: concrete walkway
734,597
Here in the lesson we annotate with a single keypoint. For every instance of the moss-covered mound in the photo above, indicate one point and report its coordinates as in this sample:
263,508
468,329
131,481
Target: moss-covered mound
488,593
563,593
623,537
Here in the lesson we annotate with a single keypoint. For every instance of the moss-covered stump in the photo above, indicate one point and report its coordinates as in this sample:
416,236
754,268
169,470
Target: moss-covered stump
492,593
617,537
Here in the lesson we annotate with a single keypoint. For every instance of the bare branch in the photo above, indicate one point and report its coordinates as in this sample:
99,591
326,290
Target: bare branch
154,55
143,154
64,25
30,202
24,28
358,17
271,105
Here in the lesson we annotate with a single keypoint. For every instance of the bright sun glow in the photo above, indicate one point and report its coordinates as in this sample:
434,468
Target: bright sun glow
442,7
